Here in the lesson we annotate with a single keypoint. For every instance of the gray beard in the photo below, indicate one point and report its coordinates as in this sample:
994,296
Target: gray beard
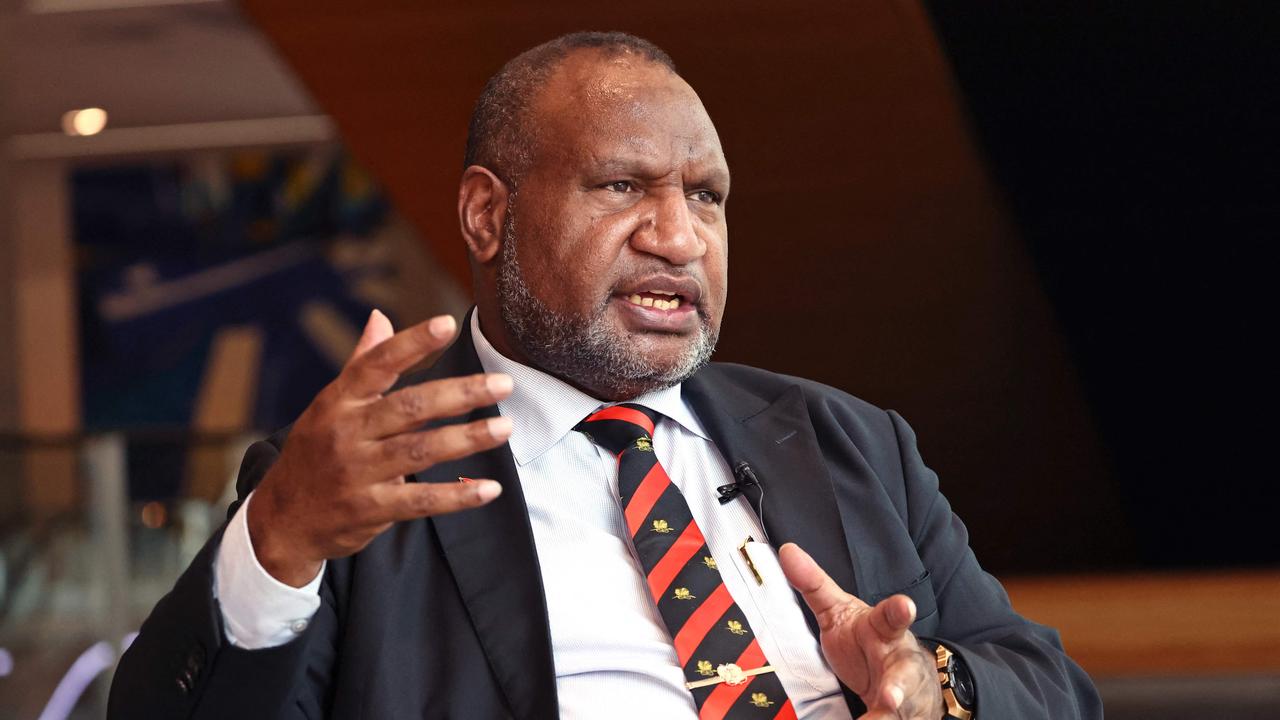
586,351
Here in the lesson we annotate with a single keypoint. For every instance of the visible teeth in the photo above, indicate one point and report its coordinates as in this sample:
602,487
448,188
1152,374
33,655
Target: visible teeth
660,292
658,303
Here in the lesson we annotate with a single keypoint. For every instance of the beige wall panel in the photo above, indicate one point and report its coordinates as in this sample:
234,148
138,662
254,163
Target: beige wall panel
46,338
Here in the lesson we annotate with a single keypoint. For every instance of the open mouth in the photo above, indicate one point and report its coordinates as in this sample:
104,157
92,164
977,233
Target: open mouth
660,303
657,299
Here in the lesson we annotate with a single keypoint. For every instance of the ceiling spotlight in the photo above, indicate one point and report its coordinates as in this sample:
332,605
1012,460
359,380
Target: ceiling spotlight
86,121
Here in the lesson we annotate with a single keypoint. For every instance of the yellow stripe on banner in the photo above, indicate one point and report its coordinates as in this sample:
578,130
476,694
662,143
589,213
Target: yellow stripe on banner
224,404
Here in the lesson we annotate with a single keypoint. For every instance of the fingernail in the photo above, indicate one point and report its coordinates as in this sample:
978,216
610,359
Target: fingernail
895,692
442,326
499,385
487,490
499,427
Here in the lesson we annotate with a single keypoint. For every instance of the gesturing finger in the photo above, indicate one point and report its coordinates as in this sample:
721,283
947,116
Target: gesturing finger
820,592
891,617
376,369
414,452
414,500
377,329
407,408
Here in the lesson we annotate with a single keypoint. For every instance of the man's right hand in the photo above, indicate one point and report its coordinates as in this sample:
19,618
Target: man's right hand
340,479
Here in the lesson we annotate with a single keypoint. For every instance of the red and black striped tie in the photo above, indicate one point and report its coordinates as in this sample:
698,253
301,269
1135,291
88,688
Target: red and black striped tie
713,640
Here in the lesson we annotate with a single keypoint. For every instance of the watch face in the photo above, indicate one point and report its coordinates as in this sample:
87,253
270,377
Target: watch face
962,684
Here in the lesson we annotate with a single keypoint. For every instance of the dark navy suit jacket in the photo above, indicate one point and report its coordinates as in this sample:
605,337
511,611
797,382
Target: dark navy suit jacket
445,617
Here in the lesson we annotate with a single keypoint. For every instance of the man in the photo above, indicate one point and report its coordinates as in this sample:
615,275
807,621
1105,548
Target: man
619,560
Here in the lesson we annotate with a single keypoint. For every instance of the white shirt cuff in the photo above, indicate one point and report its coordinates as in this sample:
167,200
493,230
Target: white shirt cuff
258,611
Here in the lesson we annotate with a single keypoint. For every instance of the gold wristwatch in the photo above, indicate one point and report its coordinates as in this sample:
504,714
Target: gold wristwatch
957,684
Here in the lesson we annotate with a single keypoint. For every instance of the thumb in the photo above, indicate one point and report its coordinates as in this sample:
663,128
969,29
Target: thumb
375,331
820,592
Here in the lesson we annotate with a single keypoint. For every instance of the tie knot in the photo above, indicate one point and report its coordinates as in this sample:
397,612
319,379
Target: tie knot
620,427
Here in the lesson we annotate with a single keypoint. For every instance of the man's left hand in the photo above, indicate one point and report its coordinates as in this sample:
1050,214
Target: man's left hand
870,649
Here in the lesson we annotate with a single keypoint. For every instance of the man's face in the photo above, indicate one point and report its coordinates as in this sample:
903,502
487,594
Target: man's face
613,269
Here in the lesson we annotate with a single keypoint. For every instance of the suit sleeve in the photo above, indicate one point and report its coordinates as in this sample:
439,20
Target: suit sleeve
182,666
1019,668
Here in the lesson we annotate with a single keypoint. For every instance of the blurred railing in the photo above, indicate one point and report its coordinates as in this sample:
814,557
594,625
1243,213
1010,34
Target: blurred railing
77,580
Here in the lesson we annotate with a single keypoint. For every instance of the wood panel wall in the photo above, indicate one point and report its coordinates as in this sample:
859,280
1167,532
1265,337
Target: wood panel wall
1148,624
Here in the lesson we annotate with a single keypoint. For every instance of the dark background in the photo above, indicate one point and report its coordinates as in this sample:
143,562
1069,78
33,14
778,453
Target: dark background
1136,144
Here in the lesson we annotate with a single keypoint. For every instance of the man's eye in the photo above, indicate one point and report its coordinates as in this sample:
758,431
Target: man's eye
621,186
707,196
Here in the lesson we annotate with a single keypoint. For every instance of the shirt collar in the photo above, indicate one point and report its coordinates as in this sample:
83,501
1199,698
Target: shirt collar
544,408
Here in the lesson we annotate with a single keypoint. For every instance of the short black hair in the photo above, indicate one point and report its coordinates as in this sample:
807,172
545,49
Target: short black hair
499,135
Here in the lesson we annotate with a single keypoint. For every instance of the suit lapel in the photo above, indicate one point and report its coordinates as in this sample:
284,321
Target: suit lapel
776,437
491,553
770,428
491,550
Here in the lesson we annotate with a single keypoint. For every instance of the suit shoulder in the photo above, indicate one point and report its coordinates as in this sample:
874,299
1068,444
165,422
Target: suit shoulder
768,384
850,430
849,411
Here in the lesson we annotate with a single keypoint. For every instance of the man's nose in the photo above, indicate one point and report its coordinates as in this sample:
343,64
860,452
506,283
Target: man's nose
668,231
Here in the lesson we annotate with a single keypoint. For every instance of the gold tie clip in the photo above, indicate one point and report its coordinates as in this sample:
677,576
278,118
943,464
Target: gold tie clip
729,674
747,556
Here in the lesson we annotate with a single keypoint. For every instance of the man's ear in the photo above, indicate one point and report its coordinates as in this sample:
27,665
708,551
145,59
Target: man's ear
482,210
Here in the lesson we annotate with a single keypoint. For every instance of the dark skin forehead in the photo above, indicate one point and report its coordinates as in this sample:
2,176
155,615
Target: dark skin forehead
598,113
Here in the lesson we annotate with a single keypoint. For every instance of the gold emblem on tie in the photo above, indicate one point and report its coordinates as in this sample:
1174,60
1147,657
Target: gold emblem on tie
661,526
705,669
760,700
644,444
684,594
736,628
709,561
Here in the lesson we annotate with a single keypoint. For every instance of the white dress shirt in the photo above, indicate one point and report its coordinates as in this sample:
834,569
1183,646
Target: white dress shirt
610,646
